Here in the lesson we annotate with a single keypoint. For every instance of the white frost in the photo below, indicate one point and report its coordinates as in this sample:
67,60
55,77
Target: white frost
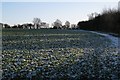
112,38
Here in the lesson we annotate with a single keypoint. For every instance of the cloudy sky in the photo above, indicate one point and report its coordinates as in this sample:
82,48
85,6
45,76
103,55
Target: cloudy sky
49,10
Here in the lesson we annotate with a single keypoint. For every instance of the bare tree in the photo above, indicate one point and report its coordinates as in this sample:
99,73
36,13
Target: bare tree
67,24
36,22
57,24
92,15
119,6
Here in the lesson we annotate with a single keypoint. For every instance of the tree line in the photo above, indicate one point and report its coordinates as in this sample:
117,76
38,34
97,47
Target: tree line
107,21
37,24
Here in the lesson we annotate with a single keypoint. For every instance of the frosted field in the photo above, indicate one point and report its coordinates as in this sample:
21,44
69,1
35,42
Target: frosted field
58,54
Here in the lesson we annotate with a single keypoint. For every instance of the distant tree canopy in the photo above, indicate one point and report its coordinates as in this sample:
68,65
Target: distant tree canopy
108,21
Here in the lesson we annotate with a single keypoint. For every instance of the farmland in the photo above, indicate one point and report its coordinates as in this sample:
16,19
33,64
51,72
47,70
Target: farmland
57,54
